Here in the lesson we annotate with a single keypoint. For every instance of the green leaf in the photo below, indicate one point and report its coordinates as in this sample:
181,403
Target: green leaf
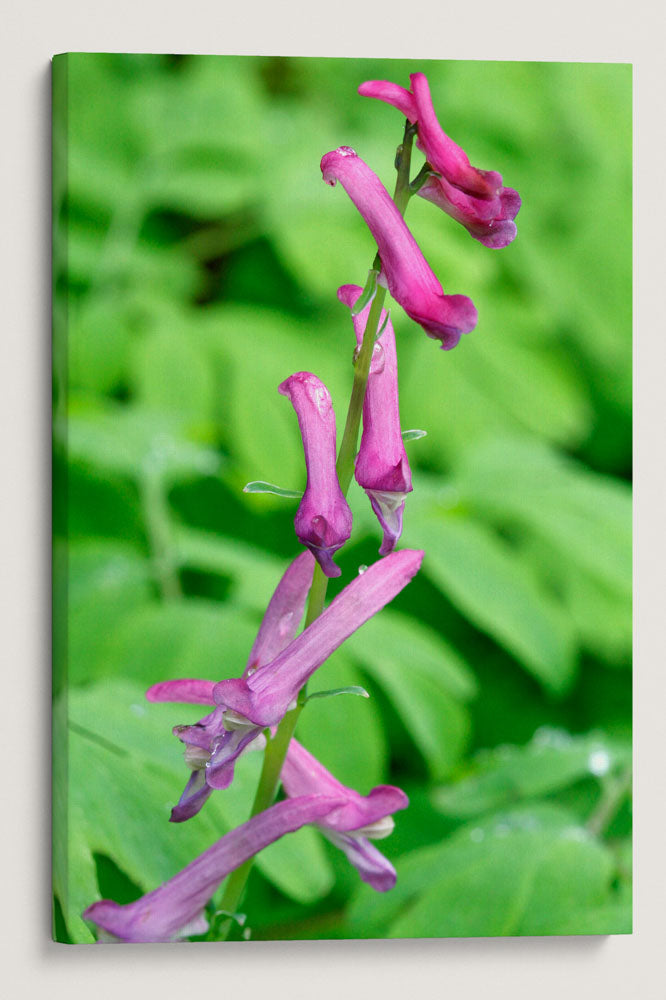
600,612
249,402
124,773
384,325
611,918
550,761
518,872
333,693
192,637
345,734
425,681
132,442
254,573
106,582
408,647
585,516
493,586
539,388
260,487
171,372
367,294
98,339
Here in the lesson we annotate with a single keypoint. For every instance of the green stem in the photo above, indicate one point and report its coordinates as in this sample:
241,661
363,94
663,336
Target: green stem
317,595
158,529
276,750
613,795
401,196
347,454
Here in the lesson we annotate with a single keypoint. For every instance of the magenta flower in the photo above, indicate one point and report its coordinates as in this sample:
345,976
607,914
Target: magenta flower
323,520
265,696
175,909
475,198
278,667
214,743
351,827
405,270
382,468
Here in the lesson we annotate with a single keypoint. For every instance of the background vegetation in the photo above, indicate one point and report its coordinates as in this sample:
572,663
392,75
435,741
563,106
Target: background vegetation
197,254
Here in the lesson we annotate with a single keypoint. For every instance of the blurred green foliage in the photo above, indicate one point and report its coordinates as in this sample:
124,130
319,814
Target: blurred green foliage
196,258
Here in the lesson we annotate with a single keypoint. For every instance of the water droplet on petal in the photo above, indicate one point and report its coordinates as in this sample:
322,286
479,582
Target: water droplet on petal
378,360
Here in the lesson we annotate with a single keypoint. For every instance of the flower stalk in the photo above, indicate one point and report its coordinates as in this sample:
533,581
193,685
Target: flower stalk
276,749
269,780
261,708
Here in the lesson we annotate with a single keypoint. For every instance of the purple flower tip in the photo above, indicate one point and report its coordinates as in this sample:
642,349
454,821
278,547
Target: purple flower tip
323,520
405,270
357,821
475,198
382,467
175,909
263,698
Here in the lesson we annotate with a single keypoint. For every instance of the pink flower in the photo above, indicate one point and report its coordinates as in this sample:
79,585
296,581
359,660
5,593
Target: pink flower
175,909
351,827
213,744
382,468
277,669
356,820
475,198
323,520
264,697
405,270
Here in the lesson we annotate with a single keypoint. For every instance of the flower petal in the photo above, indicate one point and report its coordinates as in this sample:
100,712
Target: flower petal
196,792
166,913
443,153
382,467
323,521
264,697
370,863
303,774
408,275
475,198
283,614
393,94
188,692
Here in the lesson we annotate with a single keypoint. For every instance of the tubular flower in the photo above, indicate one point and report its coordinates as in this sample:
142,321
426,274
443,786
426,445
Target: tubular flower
323,520
278,667
265,696
214,743
352,826
175,909
475,198
405,270
382,468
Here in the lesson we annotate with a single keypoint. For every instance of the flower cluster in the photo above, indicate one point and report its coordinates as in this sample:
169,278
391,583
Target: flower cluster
245,712
475,198
277,668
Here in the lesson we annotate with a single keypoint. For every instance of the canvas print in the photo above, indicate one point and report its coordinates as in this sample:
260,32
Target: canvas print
342,503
